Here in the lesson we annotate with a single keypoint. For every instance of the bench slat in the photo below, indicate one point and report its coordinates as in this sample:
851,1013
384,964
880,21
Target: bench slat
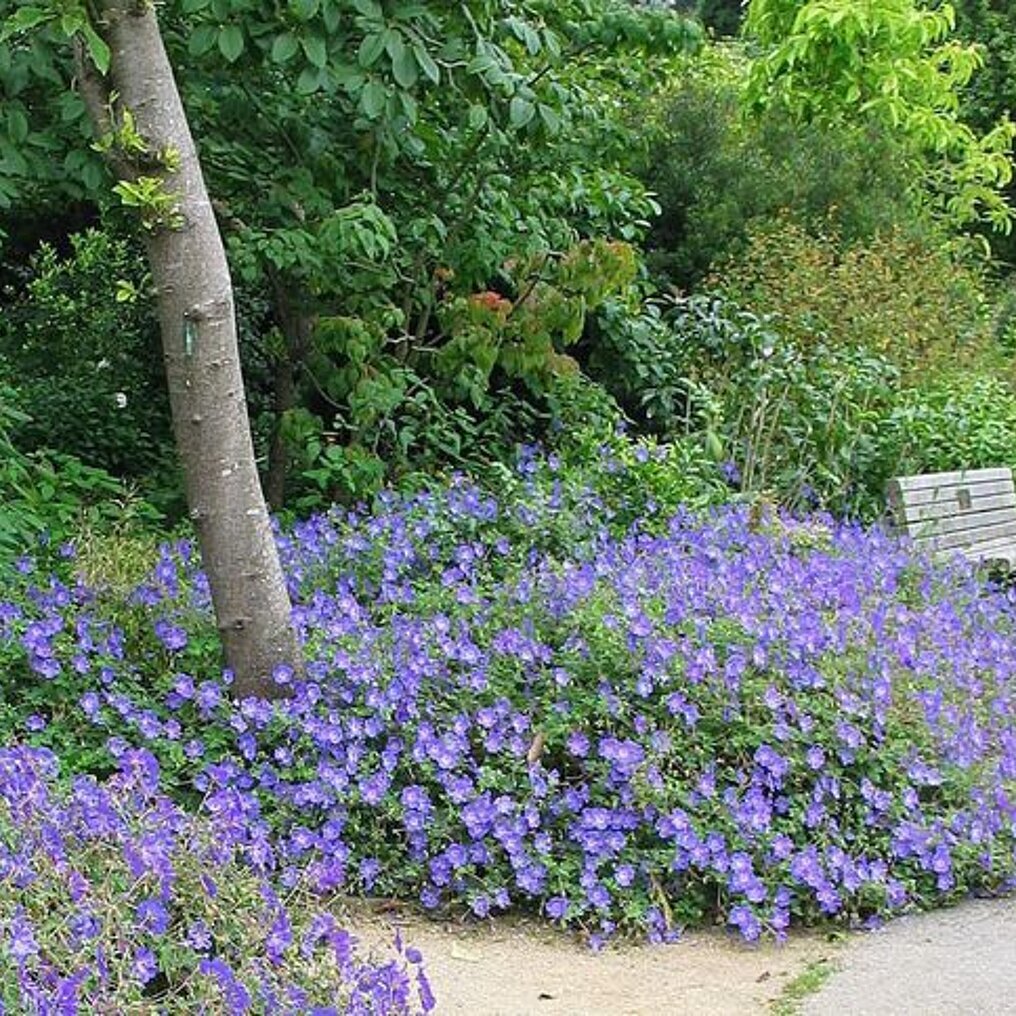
964,477
973,523
966,538
919,514
971,512
935,495
996,550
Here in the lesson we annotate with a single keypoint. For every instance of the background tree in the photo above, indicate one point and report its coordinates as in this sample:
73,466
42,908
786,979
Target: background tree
895,62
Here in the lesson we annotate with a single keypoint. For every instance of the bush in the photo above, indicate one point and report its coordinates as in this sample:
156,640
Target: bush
920,305
796,422
114,900
718,174
79,347
739,718
638,359
855,363
46,497
954,421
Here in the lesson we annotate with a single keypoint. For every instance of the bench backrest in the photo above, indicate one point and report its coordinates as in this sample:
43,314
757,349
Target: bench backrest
956,511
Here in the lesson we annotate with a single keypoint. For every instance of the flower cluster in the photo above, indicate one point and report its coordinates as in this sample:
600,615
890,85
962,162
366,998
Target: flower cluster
113,899
508,703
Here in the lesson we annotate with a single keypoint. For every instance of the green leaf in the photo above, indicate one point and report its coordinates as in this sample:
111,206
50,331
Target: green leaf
202,39
17,126
348,76
23,20
309,81
194,6
72,22
92,176
315,49
231,42
331,15
305,9
404,67
550,118
409,107
284,47
426,62
97,48
394,44
370,49
373,99
369,9
520,112
477,116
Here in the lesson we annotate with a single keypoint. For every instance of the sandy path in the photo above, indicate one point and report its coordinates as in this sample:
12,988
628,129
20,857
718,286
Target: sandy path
516,968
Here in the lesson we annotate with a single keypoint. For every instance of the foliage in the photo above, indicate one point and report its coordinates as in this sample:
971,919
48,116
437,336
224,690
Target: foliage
414,154
717,173
738,718
382,243
637,359
812,394
954,420
836,61
914,301
796,420
992,92
46,497
115,900
80,348
464,399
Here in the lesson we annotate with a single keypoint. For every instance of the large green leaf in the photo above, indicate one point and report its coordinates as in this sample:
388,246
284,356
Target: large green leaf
231,42
284,47
315,50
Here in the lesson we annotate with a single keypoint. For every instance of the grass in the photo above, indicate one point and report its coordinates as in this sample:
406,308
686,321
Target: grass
806,983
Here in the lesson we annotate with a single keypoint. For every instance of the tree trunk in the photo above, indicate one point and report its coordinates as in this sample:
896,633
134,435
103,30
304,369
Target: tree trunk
195,304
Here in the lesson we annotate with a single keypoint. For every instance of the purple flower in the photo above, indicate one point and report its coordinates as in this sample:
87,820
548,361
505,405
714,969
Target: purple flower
144,966
198,936
21,943
151,914
171,636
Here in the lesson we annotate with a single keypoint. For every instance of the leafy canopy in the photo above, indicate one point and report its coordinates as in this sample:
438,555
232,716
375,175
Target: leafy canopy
892,61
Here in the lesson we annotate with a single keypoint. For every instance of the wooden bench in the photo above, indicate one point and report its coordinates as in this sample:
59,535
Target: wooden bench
972,512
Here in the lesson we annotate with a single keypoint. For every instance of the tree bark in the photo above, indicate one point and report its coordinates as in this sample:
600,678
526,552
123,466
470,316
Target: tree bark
197,318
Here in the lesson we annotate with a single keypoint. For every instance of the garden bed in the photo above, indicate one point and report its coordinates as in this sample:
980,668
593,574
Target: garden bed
508,706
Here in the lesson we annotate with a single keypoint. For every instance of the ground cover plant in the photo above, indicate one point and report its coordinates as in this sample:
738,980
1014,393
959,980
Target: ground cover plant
112,899
507,702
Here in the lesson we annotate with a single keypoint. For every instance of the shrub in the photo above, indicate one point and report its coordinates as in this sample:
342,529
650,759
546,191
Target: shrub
718,174
506,704
920,305
796,422
856,363
637,357
45,497
79,346
956,420
113,900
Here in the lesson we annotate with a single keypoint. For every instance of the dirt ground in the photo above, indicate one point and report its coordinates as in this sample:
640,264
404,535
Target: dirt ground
519,968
